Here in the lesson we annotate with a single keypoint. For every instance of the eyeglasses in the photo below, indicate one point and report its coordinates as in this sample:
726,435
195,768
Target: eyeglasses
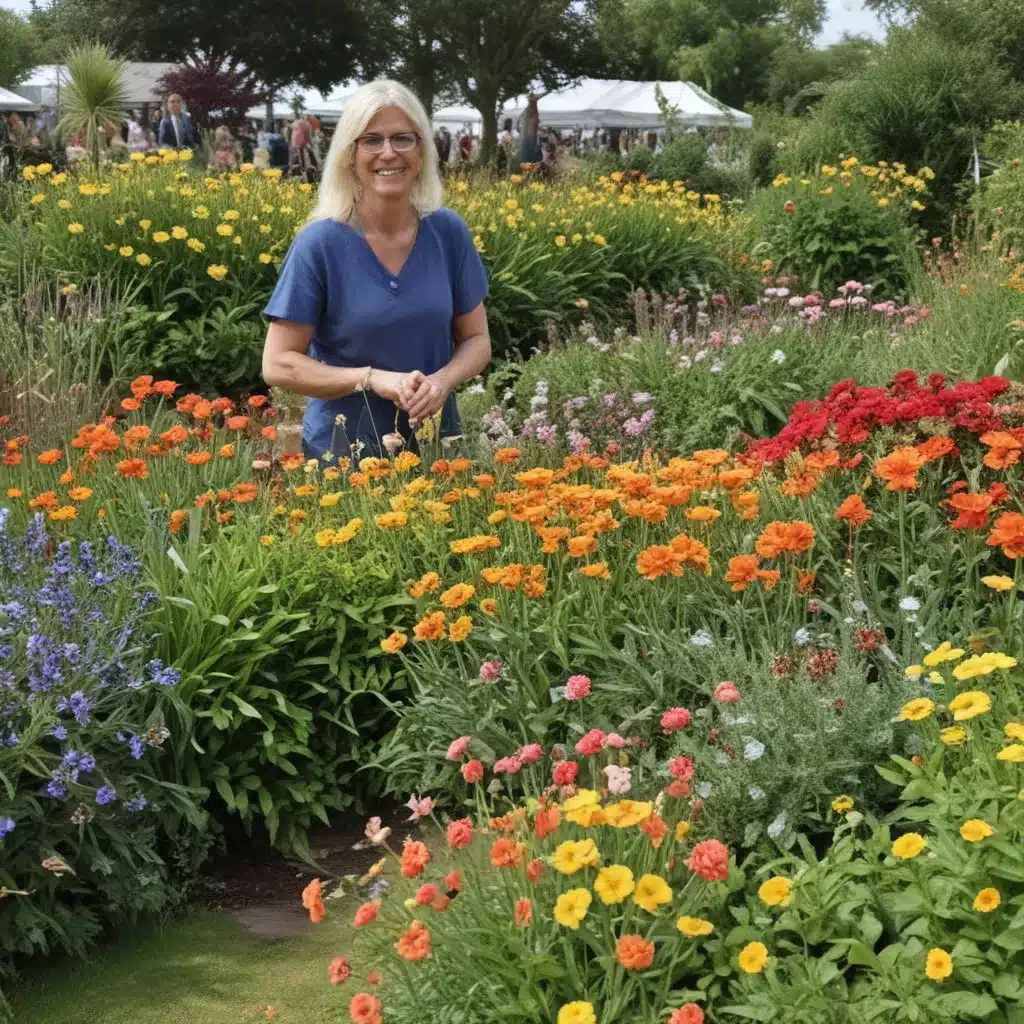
401,142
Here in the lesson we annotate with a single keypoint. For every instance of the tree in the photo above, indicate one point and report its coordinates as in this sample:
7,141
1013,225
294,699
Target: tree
95,96
61,25
207,85
318,50
17,48
799,73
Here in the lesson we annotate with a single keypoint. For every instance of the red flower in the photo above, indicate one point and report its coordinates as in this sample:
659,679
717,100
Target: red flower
535,870
973,510
472,771
1008,533
506,853
688,1013
414,943
453,881
592,743
364,1009
853,510
710,860
675,719
564,773
460,833
366,913
426,894
681,768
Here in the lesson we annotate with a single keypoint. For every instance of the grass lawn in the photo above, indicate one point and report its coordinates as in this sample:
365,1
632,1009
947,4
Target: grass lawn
201,969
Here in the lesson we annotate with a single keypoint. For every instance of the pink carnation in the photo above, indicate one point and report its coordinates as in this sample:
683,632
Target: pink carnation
681,768
592,743
577,687
675,719
613,739
530,753
710,860
507,764
490,671
726,692
565,772
457,748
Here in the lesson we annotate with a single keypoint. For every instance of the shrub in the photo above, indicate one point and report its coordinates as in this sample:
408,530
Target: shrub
1002,197
852,222
88,834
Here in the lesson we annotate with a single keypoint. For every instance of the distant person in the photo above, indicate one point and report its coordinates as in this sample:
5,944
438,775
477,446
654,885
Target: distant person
225,149
466,148
176,129
300,155
136,134
529,144
446,146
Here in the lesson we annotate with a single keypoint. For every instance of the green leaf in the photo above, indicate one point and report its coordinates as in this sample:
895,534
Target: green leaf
226,792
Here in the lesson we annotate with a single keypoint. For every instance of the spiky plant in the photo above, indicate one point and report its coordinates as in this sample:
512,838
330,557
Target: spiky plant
96,94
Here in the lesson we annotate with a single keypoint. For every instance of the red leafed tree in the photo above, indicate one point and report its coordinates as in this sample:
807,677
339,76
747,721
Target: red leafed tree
215,91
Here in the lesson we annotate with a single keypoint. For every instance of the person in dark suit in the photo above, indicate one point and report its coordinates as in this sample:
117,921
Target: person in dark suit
176,128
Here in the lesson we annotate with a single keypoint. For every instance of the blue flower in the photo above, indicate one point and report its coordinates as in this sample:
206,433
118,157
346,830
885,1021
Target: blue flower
60,732
135,805
702,638
7,824
106,795
802,637
56,787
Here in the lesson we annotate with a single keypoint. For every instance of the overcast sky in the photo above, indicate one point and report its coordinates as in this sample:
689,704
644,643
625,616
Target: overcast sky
843,16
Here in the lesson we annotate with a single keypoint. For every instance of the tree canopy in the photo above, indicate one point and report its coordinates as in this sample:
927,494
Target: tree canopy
17,48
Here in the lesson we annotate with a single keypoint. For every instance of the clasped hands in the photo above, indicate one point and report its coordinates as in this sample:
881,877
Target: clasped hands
417,394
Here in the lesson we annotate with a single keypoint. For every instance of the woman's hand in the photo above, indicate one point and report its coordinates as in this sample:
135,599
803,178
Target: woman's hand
395,387
429,396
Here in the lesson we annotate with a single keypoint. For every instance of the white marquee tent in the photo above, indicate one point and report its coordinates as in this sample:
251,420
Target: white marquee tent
326,108
601,103
12,101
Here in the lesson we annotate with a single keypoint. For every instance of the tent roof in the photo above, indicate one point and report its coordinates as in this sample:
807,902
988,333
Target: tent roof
327,108
612,103
12,101
140,79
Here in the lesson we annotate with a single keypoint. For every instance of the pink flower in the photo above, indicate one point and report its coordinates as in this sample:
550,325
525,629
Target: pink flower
710,860
565,772
420,807
619,779
592,743
457,748
577,687
726,692
507,764
490,671
681,768
614,740
530,753
675,719
460,834
812,300
472,771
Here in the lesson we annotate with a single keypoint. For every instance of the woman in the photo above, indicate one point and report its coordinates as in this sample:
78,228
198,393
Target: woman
378,314
225,149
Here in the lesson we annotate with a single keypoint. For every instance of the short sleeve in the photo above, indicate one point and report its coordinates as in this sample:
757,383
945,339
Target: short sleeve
301,290
469,281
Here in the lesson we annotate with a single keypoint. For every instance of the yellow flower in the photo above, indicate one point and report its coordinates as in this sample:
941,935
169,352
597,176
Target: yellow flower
613,884
457,596
179,233
694,927
953,736
460,629
571,907
969,704
842,804
265,257
160,237
393,643
225,230
651,892
599,240
330,500
1014,753
143,259
324,538
126,251
909,845
195,245
578,1012
497,517
883,201
939,964
75,228
753,957
776,891
64,204
489,606
145,224
266,540
559,240
682,830
998,582
572,855
974,830
627,813
37,199
913,671
230,215
391,520
987,900
348,531
217,271
1014,730
917,709
944,652
983,665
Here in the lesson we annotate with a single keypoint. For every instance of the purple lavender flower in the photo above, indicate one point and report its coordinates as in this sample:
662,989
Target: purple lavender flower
106,795
60,733
163,676
56,787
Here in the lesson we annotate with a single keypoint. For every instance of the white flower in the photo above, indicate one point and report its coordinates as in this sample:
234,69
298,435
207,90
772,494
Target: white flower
717,366
778,356
909,604
618,779
476,389
704,790
702,638
753,750
721,758
802,637
777,826
859,607
755,793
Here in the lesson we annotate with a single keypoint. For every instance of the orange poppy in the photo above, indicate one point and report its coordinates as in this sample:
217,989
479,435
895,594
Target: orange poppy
257,401
506,853
49,457
243,493
270,433
973,511
130,404
175,435
634,952
935,447
691,551
414,943
141,386
1005,449
237,422
523,912
198,458
46,500
784,538
166,388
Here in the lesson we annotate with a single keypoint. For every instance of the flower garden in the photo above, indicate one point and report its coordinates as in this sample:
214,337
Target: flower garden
696,659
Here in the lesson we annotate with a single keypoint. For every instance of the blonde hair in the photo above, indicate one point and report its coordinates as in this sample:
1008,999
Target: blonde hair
339,186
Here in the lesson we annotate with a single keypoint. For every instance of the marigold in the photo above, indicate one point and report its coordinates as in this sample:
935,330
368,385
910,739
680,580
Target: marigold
987,900
694,927
426,584
135,469
939,964
460,629
998,582
430,627
688,1013
753,957
634,952
198,458
595,570
1004,449
908,846
1008,533
457,596
742,571
577,1013
489,606
658,560
393,642
64,514
49,457
784,538
474,545
80,493
710,860
917,709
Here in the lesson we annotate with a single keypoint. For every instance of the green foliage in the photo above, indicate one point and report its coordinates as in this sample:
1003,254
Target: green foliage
800,72
17,48
1002,196
95,96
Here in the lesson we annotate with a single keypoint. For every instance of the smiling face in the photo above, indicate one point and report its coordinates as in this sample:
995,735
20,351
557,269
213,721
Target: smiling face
388,175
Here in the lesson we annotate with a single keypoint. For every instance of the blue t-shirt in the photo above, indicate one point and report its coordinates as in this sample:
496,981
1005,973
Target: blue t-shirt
363,315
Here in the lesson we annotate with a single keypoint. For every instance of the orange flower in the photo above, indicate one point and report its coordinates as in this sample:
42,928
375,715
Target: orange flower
63,514
507,456
236,422
580,547
747,503
506,853
14,492
900,469
202,410
854,511
366,913
805,581
225,517
257,401
46,500
175,435
800,483
655,828
595,571
365,1009
535,479
769,578
1005,449
414,944
703,514
340,970
691,551
270,433
973,511
935,447
634,952
414,859
133,469
742,571
313,894
130,404
820,461
246,492
221,404
658,560
293,461
178,517
66,477
141,386
12,458
49,457
711,456
523,912
198,458
453,881
430,627
165,388
546,821
134,436
80,493
733,479
784,538
1008,533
